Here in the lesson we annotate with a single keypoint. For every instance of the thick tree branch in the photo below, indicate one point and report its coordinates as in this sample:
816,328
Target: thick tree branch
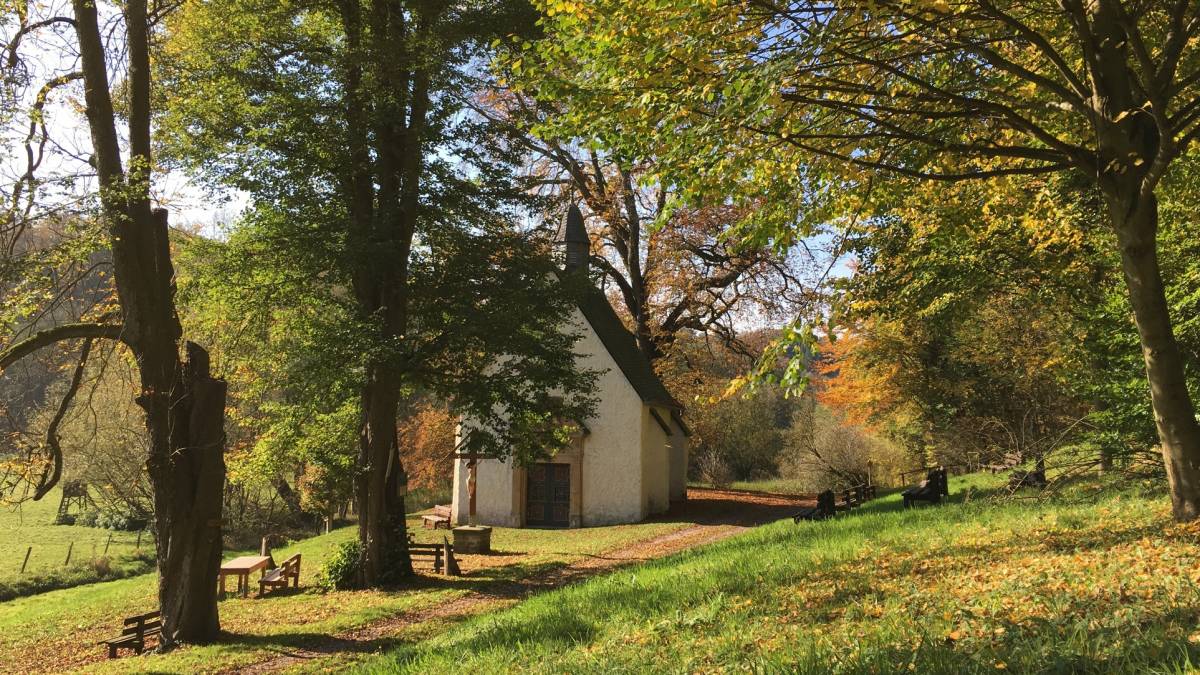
50,336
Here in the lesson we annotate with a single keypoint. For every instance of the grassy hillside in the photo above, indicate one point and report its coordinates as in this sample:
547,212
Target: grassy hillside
57,631
1100,581
32,524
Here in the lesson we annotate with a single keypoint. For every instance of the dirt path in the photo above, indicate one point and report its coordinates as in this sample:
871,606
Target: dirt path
717,515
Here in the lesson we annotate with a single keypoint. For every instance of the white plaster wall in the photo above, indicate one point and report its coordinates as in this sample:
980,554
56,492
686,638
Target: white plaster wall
656,474
680,449
494,504
612,483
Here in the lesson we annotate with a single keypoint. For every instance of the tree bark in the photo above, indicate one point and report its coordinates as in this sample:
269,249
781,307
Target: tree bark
380,482
187,471
387,101
184,404
1136,222
291,502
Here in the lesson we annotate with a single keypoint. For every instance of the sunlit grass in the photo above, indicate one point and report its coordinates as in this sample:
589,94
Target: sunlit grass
1097,582
57,631
32,524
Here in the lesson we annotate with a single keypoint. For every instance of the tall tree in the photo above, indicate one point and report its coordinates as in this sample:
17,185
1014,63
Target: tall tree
183,404
943,91
372,185
672,266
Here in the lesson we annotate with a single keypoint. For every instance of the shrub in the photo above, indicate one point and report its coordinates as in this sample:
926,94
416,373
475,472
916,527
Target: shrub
121,522
714,470
823,451
340,571
85,519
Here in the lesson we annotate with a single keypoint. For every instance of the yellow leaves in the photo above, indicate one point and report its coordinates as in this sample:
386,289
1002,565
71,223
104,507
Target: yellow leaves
735,385
1000,665
570,7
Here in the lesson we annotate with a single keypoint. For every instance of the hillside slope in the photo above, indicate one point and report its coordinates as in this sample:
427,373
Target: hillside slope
1098,581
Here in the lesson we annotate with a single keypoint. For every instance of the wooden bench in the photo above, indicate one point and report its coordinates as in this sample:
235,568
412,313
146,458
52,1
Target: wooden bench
1010,461
439,518
133,635
432,553
439,556
278,577
825,508
932,489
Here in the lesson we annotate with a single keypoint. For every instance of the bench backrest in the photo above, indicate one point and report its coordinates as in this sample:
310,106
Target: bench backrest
139,624
441,511
292,565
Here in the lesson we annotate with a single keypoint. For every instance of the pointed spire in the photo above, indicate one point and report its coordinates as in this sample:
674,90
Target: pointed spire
575,237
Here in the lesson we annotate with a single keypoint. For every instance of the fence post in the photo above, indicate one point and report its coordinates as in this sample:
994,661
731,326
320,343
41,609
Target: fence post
23,564
139,541
70,547
107,543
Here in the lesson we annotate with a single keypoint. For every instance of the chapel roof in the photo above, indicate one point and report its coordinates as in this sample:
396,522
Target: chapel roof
622,346
616,338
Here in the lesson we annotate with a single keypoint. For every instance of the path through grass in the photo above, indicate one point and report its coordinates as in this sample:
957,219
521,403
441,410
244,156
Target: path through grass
1102,583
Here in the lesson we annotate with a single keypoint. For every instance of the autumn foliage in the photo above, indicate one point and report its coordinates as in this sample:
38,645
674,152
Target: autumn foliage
427,441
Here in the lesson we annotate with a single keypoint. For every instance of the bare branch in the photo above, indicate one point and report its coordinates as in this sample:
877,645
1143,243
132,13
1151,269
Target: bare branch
52,473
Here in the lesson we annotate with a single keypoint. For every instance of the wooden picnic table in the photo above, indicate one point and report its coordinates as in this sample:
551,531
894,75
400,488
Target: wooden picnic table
242,568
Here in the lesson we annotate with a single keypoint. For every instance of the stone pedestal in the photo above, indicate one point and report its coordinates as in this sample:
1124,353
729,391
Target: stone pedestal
472,539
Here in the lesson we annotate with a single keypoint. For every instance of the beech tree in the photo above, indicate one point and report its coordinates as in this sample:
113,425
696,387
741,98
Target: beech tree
793,96
375,190
184,405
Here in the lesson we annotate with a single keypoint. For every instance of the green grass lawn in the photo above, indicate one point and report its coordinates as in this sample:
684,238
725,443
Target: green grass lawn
1099,581
32,524
57,631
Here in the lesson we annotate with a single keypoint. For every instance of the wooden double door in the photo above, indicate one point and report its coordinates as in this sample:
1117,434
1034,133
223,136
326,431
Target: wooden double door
548,495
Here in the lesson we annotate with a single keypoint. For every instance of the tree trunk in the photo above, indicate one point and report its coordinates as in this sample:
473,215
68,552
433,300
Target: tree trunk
184,404
379,484
187,471
291,502
1136,222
